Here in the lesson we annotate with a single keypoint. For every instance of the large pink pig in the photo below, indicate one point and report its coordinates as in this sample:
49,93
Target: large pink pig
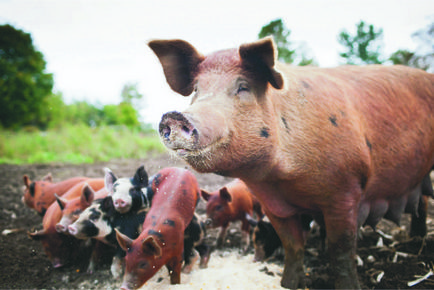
349,144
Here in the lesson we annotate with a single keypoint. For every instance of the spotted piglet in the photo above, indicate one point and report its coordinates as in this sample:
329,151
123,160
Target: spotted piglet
99,222
129,193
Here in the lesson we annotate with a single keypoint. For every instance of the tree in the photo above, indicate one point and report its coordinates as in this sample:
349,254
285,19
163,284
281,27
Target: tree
130,94
285,50
364,46
24,86
424,55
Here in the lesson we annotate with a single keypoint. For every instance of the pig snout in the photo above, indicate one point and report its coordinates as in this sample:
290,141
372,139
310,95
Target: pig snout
60,228
72,230
120,204
178,132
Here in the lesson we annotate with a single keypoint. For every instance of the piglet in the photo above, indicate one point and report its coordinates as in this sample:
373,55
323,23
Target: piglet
229,204
129,193
39,195
162,239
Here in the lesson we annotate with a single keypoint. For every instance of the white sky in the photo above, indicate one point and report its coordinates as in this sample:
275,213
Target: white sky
94,47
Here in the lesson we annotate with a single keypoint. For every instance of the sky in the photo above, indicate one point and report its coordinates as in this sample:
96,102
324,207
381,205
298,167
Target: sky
95,47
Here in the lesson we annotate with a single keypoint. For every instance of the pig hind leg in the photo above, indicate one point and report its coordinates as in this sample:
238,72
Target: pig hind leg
418,220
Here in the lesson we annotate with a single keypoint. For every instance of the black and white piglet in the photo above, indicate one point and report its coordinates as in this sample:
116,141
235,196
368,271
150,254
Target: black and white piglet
129,194
99,222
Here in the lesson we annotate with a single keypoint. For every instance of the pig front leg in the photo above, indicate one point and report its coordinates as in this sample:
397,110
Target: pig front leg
341,226
221,236
174,267
290,231
116,267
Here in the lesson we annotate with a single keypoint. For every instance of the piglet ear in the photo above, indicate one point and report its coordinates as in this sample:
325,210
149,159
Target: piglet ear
48,178
27,181
87,195
251,220
141,177
225,195
124,241
261,56
109,180
150,246
205,194
36,236
61,201
179,60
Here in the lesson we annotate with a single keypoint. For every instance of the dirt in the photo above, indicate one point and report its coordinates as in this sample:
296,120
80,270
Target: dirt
25,266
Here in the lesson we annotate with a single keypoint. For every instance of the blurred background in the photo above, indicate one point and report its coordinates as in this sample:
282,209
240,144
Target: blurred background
79,84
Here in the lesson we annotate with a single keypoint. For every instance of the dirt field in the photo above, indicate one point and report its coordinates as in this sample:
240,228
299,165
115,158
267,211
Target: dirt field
24,265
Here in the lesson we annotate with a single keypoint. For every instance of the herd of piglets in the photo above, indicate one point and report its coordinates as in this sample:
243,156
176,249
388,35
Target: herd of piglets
147,222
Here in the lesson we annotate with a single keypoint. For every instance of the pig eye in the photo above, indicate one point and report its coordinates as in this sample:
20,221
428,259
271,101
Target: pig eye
143,265
219,208
243,87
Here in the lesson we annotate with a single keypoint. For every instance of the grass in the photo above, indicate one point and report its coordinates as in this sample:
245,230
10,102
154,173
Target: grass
76,144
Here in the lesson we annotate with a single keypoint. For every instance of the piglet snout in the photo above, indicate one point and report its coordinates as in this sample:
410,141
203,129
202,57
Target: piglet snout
175,129
72,230
60,228
120,203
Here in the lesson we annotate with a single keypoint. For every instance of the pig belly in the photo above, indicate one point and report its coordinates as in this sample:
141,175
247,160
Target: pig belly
372,211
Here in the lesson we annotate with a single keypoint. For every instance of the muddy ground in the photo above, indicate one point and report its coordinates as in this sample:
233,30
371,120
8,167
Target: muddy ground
24,264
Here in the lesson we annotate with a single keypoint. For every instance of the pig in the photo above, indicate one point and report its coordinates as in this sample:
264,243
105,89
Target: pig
194,245
58,247
350,144
265,239
39,195
129,193
99,222
162,239
229,204
71,209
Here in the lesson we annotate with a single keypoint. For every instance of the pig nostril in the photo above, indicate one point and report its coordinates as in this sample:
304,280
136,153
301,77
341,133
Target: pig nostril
185,129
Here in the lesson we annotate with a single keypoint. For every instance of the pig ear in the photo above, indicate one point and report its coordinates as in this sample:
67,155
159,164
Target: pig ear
109,179
36,236
27,181
87,195
60,201
179,60
124,241
48,178
251,220
225,195
262,55
150,246
205,194
141,177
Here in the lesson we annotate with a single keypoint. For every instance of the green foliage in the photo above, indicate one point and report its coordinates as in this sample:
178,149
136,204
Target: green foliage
76,144
281,34
363,47
24,87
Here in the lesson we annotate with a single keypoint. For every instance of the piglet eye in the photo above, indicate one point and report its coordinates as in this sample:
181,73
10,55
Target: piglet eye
143,265
219,207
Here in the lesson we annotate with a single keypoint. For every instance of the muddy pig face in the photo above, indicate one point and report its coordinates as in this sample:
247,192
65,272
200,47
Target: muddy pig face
127,193
141,261
230,116
217,207
93,222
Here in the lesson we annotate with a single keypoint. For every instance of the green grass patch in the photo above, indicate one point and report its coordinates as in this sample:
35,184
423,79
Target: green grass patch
77,144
